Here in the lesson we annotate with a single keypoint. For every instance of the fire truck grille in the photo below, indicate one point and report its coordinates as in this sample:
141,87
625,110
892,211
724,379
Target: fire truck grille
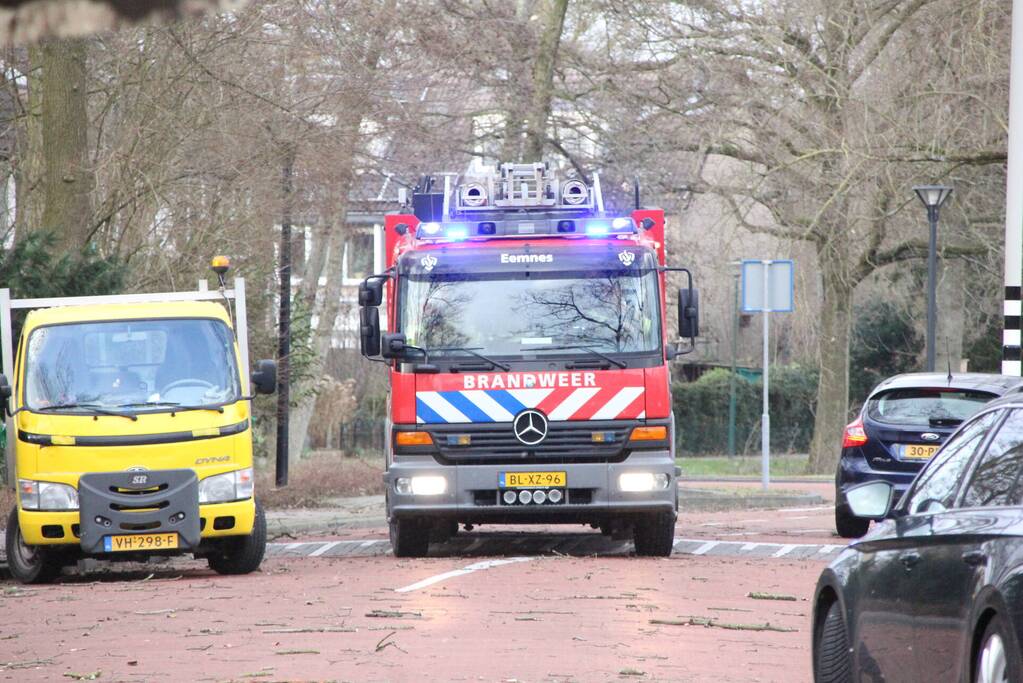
565,442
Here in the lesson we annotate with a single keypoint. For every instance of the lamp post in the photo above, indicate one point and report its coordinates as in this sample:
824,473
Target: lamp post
932,196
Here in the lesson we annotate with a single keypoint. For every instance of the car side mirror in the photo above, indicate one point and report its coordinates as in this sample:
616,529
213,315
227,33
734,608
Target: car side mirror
872,500
371,292
369,330
264,377
688,313
393,345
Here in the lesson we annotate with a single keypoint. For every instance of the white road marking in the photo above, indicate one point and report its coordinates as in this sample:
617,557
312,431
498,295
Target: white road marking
703,549
585,543
324,548
488,564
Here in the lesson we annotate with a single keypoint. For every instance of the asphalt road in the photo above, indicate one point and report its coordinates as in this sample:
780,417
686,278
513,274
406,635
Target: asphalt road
502,604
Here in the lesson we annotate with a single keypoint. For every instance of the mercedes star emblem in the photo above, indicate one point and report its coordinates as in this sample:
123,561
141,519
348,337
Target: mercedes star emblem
530,427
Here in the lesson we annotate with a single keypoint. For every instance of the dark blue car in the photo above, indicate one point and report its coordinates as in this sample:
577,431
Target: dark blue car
904,421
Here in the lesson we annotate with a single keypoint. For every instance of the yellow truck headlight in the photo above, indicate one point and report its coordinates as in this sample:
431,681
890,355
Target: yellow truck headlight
227,487
46,495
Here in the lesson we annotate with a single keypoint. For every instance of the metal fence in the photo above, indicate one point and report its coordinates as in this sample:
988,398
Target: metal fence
364,436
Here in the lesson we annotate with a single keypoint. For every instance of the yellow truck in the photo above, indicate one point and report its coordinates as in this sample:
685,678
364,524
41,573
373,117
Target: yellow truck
130,430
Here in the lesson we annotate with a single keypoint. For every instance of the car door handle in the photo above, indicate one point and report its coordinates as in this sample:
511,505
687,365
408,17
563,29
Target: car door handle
910,560
975,558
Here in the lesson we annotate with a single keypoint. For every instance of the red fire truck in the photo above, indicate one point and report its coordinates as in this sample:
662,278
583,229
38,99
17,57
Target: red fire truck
528,349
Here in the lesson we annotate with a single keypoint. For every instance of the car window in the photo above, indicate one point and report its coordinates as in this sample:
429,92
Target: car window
935,488
926,406
994,479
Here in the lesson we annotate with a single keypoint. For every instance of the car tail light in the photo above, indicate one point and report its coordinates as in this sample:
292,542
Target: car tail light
854,434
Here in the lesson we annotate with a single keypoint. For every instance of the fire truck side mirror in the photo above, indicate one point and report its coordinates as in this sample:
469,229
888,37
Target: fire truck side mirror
369,330
393,345
688,313
371,292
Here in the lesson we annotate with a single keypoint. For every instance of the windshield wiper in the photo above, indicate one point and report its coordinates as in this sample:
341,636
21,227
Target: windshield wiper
178,408
581,347
472,352
93,407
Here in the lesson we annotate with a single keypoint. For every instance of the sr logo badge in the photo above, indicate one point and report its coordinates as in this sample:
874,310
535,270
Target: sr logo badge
530,427
626,257
428,262
140,479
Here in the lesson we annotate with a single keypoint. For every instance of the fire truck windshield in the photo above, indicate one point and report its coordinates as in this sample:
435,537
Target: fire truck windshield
514,312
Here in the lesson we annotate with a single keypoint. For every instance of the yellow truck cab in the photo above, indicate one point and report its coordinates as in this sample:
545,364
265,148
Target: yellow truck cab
130,432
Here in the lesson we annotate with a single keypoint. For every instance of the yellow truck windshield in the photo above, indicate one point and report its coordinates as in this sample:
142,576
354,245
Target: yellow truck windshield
139,364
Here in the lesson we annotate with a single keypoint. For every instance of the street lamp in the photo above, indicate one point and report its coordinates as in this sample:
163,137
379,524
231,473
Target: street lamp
932,196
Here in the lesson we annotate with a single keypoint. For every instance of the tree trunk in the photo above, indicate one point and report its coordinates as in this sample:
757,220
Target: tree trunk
302,414
951,323
833,390
68,179
543,78
29,170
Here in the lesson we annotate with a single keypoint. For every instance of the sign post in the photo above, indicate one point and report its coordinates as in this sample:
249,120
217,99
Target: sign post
766,288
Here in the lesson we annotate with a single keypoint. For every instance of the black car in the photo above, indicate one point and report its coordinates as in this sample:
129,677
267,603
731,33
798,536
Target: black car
935,591
904,421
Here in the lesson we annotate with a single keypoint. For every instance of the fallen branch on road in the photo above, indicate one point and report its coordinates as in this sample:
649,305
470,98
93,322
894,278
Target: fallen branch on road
714,623
772,596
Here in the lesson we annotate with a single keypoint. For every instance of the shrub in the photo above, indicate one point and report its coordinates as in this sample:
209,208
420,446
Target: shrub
701,411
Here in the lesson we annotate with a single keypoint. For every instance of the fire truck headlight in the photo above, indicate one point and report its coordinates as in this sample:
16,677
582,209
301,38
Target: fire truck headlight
421,486
638,482
430,228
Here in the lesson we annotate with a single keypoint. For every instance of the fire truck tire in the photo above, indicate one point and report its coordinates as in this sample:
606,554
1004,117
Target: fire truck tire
29,563
242,554
654,535
410,537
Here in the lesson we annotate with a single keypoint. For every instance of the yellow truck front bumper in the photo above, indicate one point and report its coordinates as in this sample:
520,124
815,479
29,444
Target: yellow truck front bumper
61,528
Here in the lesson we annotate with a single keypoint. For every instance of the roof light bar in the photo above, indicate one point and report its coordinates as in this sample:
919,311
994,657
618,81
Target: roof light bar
515,227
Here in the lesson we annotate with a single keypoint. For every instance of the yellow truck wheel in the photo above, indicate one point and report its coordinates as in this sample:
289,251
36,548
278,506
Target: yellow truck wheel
29,563
241,554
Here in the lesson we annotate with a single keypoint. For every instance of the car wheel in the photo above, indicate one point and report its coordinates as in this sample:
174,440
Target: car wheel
997,661
848,525
29,563
833,661
410,537
654,535
242,554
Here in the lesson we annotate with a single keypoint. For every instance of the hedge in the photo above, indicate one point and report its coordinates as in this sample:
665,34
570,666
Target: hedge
701,411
